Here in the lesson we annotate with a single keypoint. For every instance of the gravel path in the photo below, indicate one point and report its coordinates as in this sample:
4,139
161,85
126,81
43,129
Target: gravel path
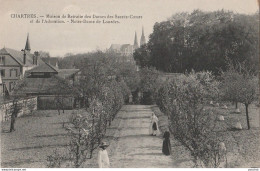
134,147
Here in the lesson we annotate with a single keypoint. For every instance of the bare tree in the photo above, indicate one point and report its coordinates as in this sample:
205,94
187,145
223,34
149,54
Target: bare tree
16,107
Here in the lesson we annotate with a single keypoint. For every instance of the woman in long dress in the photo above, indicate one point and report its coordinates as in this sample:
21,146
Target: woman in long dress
153,128
103,160
166,149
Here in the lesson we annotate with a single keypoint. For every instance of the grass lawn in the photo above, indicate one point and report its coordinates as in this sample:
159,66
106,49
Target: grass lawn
37,135
35,138
242,145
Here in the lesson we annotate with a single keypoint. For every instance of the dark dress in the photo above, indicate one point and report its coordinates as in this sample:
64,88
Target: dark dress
166,149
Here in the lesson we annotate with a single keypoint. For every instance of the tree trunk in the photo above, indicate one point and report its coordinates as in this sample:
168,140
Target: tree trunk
12,124
247,116
77,157
236,104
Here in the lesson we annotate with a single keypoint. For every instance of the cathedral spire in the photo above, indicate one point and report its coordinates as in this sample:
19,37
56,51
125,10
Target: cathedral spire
142,41
136,42
27,45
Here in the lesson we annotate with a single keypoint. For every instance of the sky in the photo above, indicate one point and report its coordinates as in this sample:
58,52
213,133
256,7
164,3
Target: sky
60,39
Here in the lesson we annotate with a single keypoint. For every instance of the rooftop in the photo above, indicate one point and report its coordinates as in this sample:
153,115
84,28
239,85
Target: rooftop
51,85
44,67
18,56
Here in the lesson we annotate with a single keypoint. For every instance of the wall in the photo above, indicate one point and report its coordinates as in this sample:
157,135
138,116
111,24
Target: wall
26,104
10,64
49,102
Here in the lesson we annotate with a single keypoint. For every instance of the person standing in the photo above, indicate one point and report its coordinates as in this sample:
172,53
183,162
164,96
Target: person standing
103,160
166,149
154,129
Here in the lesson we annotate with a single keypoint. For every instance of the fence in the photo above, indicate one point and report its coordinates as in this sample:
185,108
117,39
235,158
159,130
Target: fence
28,105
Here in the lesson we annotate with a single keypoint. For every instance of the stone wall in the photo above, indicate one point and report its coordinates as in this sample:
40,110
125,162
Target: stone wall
27,104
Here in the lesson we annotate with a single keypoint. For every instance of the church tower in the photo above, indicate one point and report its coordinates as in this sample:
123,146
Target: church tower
142,41
27,45
136,42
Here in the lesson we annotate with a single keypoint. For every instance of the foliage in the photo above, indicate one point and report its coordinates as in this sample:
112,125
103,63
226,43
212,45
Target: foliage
142,56
105,94
201,41
101,70
149,84
239,84
183,101
79,134
54,160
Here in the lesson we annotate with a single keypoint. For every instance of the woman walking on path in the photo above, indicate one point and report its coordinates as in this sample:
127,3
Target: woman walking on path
166,149
153,128
103,160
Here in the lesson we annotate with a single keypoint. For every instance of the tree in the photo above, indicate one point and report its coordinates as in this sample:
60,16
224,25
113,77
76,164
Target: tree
44,55
183,100
142,56
149,84
229,84
240,85
97,122
201,41
126,71
62,90
79,132
248,92
16,107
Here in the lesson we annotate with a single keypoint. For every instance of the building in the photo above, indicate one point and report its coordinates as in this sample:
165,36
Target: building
51,85
46,70
124,50
142,41
46,79
14,63
127,50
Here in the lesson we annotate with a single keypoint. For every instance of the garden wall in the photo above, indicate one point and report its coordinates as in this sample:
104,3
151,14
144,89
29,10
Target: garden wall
49,102
28,104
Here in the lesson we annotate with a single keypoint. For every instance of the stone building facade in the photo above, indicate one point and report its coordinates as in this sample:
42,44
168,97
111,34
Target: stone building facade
14,63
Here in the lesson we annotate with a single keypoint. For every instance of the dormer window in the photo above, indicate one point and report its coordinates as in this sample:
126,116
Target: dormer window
2,60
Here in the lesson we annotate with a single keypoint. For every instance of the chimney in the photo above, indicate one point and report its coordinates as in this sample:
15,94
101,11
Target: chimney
35,58
24,56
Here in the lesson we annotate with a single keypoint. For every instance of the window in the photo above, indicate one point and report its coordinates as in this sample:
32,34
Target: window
2,60
13,72
2,72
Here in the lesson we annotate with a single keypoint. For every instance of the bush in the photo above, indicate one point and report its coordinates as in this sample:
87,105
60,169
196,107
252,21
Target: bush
183,100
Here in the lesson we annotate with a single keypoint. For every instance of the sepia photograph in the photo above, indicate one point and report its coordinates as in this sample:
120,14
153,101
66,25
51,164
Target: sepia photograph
129,84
